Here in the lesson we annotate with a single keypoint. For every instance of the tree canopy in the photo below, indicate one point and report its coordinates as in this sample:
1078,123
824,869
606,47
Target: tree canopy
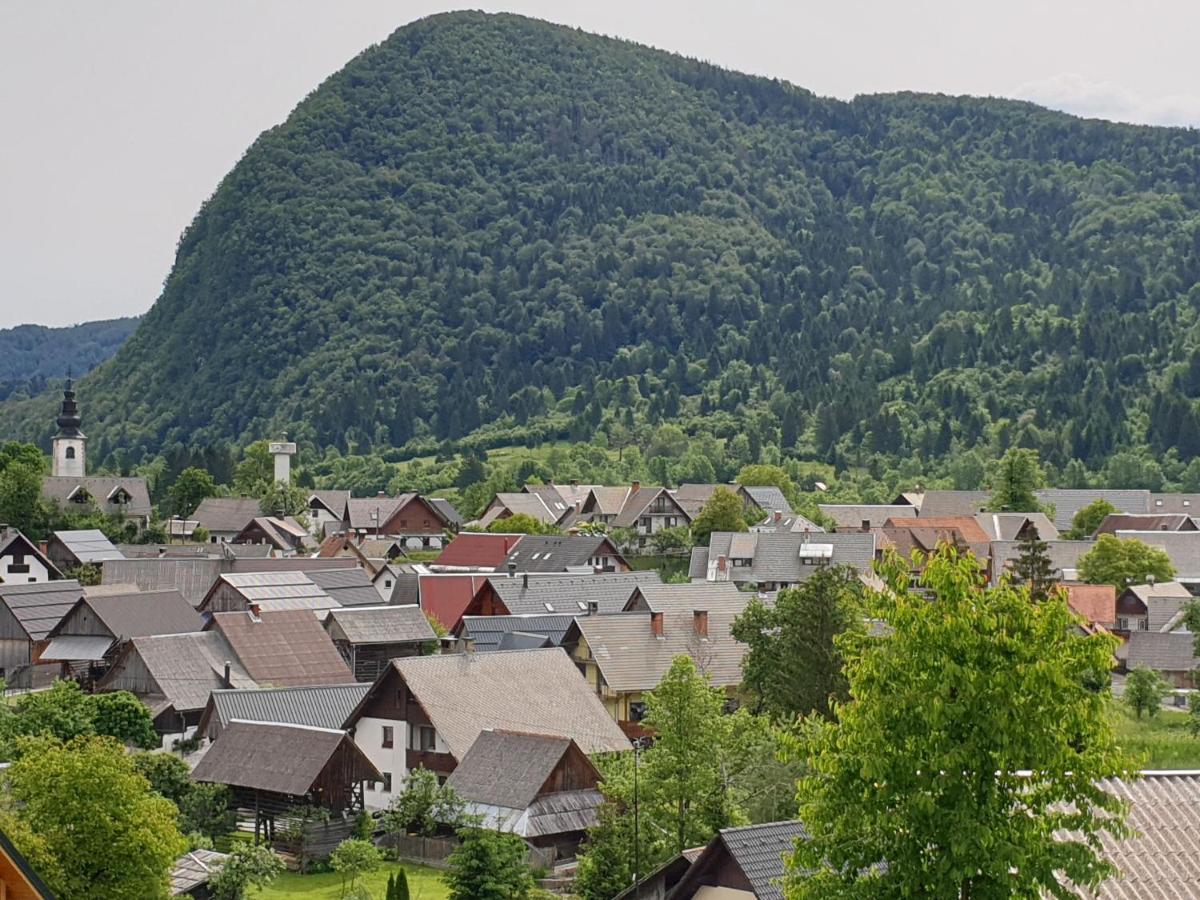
1122,562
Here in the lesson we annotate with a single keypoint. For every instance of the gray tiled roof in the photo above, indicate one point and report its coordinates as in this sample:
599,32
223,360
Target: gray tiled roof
687,597
1068,502
332,500
848,516
542,594
487,632
322,706
1172,651
349,587
530,503
223,514
507,768
953,503
39,607
758,851
539,691
769,498
381,624
1189,504
1183,547
452,516
776,556
88,545
144,612
1063,555
698,564
1006,526
58,488
555,553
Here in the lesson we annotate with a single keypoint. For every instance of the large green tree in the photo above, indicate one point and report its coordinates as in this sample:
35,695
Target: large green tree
488,865
969,707
1088,519
723,511
1122,562
111,835
1015,478
190,487
793,665
1032,568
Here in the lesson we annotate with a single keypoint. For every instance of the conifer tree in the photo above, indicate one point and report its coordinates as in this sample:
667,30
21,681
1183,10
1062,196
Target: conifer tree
1032,567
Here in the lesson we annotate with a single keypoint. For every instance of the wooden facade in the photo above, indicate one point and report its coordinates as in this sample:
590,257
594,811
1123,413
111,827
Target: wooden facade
369,661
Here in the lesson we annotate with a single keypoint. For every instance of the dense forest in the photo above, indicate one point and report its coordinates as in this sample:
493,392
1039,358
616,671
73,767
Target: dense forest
31,356
491,231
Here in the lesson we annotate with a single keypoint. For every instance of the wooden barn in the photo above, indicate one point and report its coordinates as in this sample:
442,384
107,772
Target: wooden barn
28,612
368,637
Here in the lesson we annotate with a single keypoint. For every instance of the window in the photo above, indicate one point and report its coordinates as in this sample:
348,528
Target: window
1122,623
388,736
387,582
387,782
424,738
70,453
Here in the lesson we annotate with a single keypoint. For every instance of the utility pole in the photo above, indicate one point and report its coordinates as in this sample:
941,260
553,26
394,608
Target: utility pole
637,848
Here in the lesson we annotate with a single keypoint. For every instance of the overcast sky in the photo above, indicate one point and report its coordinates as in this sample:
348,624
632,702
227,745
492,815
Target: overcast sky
117,119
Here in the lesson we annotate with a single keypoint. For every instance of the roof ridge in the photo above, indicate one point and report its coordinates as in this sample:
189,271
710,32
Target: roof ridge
288,725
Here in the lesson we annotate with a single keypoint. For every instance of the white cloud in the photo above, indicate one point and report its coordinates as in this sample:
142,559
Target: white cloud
1073,93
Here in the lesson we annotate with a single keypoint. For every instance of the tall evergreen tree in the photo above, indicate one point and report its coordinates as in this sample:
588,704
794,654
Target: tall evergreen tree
1032,567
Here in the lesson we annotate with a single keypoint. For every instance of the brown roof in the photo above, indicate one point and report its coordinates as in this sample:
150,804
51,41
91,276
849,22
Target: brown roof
509,768
59,489
971,532
226,513
185,667
283,648
1095,602
282,759
144,612
380,624
1115,522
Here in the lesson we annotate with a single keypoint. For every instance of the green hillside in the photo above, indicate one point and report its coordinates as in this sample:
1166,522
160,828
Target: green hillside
33,355
492,228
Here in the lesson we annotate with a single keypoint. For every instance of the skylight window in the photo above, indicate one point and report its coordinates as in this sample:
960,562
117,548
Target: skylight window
549,607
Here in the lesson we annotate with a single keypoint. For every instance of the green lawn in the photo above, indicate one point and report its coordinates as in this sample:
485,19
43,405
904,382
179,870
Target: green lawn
1162,741
423,884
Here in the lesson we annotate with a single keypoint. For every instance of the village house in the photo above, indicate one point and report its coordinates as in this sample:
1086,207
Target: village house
1064,558
368,637
398,584
472,551
285,536
320,705
18,880
71,549
1181,547
273,770
578,554
645,510
863,517
1151,607
537,594
744,863
757,502
287,648
771,561
28,613
420,524
542,788
224,518
327,512
1115,522
21,561
786,522
349,587
624,656
445,597
548,510
1096,603
485,634
1001,526
91,636
427,711
1172,654
266,591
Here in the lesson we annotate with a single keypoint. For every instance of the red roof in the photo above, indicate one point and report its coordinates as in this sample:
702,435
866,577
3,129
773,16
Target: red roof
1095,602
446,597
478,550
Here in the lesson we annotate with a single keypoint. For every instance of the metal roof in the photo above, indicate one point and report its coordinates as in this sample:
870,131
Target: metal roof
349,587
539,594
39,607
488,632
76,648
128,615
88,545
322,706
557,553
185,667
283,648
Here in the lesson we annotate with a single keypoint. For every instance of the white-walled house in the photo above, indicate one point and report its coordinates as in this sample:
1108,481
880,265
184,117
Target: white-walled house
21,562
426,711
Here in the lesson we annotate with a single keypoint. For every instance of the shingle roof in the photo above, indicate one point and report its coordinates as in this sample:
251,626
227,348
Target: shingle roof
191,577
776,555
758,851
334,501
349,587
381,624
631,657
281,759
286,648
849,516
186,667
538,691
362,511
688,597
1175,503
698,564
1007,526
507,768
487,632
1183,547
769,498
322,706
224,514
59,488
1115,522
953,503
1171,651
194,869
1159,862
144,612
477,550
88,545
518,503
13,541
637,502
39,607
446,508
540,594
556,553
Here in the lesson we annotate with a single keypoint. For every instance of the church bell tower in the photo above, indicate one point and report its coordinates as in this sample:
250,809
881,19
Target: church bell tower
69,443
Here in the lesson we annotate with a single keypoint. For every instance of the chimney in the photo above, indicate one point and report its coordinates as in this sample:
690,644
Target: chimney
467,644
593,607
255,612
778,516
574,482
525,580
635,487
449,643
700,622
656,624
722,563
512,569
226,681
866,525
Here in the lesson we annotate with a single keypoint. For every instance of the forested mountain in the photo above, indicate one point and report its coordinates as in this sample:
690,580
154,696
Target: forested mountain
31,355
494,229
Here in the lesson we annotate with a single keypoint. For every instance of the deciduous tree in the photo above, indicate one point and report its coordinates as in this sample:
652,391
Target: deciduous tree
723,512
1122,562
1144,691
1014,479
1088,519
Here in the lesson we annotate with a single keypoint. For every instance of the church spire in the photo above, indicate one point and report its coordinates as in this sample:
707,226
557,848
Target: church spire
68,418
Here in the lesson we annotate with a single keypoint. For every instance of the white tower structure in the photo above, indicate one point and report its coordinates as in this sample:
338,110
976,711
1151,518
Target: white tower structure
70,444
283,451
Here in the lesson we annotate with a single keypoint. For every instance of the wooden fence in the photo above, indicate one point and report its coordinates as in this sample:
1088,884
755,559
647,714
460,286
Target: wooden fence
433,851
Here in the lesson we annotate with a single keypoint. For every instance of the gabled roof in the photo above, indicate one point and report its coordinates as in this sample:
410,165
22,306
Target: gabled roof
185,667
1115,522
1183,547
776,556
223,514
847,517
687,597
333,501
88,545
1067,503
769,498
143,612
446,597
558,553
606,500
349,587
280,759
322,706
540,594
638,501
283,649
39,607
33,888
12,541
510,768
452,516
362,512
282,534
538,691
1008,526
631,657
531,504
757,851
1164,651
278,590
488,632
59,489
380,624
1097,603
477,550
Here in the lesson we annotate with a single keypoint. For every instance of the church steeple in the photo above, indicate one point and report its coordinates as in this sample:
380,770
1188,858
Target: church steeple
69,443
